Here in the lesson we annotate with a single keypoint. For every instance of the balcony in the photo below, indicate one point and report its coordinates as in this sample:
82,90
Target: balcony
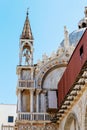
26,83
33,116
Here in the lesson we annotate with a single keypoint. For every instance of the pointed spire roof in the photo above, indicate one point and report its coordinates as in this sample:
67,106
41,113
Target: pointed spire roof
27,33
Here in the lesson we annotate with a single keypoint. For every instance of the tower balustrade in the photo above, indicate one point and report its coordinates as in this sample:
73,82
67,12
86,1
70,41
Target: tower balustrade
33,116
26,83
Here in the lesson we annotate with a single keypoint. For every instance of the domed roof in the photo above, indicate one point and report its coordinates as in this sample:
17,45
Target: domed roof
75,36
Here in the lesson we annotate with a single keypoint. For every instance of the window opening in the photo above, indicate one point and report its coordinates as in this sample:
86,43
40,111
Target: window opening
10,118
81,51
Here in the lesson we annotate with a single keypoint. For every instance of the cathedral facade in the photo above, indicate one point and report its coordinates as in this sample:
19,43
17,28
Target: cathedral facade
43,102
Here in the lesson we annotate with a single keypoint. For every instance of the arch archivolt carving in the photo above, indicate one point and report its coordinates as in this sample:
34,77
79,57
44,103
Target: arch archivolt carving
85,100
85,112
80,111
24,44
71,119
85,118
44,70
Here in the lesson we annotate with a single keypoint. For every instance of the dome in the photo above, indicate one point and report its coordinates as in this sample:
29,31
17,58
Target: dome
71,40
75,36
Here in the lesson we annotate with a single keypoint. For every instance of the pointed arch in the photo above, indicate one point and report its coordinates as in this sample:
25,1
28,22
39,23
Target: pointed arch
71,122
26,44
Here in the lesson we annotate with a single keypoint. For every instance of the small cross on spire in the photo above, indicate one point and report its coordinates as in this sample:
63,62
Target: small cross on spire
85,11
27,11
27,33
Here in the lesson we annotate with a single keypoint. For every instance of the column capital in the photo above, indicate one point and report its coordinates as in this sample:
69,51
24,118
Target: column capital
44,91
18,91
18,70
32,90
38,91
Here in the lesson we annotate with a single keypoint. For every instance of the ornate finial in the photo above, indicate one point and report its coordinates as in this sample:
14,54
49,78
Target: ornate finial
27,11
66,37
85,11
83,22
65,31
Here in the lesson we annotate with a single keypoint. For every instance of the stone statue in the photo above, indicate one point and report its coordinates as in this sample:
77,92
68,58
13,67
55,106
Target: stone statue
27,57
66,38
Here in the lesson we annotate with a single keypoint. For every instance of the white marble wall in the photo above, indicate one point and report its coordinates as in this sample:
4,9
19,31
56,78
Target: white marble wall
51,80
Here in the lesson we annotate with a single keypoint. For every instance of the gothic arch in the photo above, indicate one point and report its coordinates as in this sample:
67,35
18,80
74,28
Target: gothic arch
47,80
71,122
27,45
47,69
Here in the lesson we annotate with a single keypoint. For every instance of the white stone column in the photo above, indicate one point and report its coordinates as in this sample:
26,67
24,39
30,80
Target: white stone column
32,73
43,101
20,57
19,101
31,56
37,100
31,100
37,103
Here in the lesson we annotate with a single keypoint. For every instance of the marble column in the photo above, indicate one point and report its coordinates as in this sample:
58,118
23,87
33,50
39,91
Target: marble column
37,100
19,101
43,102
20,56
31,100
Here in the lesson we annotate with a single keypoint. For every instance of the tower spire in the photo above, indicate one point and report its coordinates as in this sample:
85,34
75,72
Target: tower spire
26,44
27,33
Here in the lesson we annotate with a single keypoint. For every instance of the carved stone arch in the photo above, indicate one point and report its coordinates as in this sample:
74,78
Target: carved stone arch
71,122
86,118
47,68
26,45
85,112
50,70
48,80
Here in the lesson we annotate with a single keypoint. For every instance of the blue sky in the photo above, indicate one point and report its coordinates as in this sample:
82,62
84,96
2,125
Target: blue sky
47,19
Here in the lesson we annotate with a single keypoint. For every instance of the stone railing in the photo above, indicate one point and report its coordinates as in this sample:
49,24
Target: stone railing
26,83
33,116
7,127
